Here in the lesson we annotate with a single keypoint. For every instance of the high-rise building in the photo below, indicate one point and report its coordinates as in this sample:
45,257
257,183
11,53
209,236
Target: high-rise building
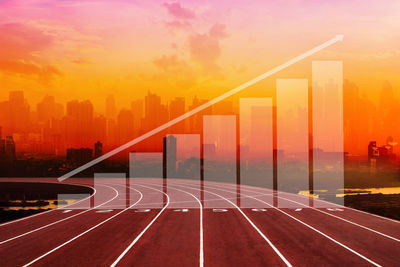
170,156
155,113
48,109
79,123
79,156
373,152
98,149
111,110
125,126
10,148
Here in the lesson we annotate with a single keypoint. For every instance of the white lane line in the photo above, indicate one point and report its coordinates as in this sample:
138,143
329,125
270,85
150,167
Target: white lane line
250,221
332,215
339,206
201,252
67,218
144,230
66,211
305,224
85,232
45,212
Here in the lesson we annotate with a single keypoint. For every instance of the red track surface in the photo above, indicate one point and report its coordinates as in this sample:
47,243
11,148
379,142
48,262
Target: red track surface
164,235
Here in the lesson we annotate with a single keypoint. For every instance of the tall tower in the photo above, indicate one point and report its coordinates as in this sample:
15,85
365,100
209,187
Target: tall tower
98,149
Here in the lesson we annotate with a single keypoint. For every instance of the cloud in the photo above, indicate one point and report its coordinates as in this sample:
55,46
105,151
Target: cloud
205,49
20,54
82,61
218,31
178,25
168,63
19,41
176,10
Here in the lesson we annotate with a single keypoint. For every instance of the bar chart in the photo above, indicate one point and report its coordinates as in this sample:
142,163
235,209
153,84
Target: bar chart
244,149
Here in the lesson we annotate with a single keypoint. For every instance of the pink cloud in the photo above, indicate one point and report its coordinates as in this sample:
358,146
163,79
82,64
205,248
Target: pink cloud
176,10
205,49
218,31
20,47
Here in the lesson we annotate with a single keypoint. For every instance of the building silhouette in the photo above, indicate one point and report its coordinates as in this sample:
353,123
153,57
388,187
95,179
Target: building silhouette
98,149
79,156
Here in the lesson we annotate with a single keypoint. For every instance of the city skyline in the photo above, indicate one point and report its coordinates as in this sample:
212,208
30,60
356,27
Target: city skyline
52,127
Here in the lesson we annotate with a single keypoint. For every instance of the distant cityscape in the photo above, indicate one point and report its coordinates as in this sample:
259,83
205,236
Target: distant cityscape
54,138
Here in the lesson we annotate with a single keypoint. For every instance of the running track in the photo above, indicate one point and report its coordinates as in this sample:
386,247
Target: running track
196,225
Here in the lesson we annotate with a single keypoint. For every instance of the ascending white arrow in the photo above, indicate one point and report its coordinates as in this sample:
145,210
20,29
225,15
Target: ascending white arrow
196,110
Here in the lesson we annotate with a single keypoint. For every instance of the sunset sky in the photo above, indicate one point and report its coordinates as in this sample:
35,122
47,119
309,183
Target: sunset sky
89,49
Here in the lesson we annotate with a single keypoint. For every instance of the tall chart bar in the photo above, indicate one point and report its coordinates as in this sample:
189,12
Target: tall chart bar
146,168
328,153
116,181
292,141
182,163
256,147
219,153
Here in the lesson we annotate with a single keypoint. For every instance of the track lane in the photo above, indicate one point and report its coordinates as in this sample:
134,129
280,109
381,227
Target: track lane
24,249
177,236
384,250
116,230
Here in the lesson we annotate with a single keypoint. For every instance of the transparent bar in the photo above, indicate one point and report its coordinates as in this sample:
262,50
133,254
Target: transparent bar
146,169
183,168
256,157
292,141
106,185
219,152
73,201
328,150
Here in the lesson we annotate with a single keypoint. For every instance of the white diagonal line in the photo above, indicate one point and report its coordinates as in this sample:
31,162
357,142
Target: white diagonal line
292,61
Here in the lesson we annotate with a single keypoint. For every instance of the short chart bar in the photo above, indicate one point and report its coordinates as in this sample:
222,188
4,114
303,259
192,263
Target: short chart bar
146,168
107,181
219,150
327,93
292,141
256,157
73,201
183,162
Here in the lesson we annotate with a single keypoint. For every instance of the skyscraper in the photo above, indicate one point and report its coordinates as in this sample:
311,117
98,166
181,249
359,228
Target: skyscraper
98,149
10,148
111,110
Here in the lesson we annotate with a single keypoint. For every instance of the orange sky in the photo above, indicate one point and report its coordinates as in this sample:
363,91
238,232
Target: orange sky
89,49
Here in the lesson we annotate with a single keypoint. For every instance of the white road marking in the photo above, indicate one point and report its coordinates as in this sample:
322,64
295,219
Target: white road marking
305,224
144,230
66,211
103,211
259,210
251,223
53,223
335,216
182,210
85,232
299,209
220,210
201,252
143,210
